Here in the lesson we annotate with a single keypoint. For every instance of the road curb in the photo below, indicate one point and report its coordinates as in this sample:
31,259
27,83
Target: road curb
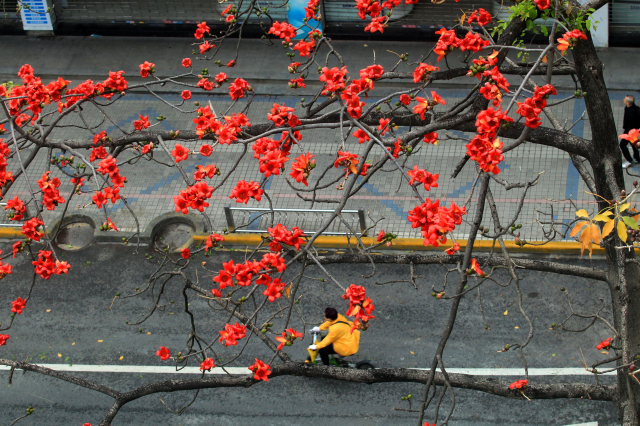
565,247
334,242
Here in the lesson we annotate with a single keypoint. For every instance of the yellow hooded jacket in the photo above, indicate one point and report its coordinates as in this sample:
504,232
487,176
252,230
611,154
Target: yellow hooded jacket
344,342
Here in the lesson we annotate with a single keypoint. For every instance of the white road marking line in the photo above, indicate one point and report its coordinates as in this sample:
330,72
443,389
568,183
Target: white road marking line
585,424
149,369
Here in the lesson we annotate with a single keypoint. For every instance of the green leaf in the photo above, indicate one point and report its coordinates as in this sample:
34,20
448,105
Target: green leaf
589,25
533,13
630,222
544,30
530,25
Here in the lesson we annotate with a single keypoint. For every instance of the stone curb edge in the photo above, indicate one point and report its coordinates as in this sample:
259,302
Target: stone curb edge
335,242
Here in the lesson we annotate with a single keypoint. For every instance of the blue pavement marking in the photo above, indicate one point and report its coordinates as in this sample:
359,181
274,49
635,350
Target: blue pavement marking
148,111
573,177
398,210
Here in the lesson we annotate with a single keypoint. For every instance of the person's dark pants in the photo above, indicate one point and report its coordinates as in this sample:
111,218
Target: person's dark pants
625,151
325,352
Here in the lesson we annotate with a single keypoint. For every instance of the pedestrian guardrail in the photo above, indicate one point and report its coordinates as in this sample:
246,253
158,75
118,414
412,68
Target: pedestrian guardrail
257,220
10,224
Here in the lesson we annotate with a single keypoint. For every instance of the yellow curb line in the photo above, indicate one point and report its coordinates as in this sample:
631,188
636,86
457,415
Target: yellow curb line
568,247
252,240
11,232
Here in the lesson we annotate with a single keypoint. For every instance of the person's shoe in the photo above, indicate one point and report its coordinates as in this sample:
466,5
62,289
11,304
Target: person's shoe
626,164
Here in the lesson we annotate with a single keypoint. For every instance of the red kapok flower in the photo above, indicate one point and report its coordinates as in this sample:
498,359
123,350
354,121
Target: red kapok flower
475,267
301,168
180,153
431,138
163,353
3,339
19,304
542,4
261,370
232,333
146,68
632,137
207,364
420,175
604,344
30,229
288,337
186,95
206,150
110,225
481,16
186,62
283,30
143,123
569,39
185,253
453,249
519,384
245,190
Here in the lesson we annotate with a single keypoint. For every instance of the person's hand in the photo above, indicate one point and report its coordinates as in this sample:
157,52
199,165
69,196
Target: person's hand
313,347
315,330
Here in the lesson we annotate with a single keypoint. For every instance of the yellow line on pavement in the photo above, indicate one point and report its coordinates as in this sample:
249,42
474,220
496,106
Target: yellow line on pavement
568,247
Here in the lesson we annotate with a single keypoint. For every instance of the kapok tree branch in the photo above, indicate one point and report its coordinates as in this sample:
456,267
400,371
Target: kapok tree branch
427,259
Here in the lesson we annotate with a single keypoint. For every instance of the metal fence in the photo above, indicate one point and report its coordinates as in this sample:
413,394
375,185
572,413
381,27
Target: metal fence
257,220
11,223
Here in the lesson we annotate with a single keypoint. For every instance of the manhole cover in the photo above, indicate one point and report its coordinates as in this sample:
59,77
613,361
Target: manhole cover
75,236
175,236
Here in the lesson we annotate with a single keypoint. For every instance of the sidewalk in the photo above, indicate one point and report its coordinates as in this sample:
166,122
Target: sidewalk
150,188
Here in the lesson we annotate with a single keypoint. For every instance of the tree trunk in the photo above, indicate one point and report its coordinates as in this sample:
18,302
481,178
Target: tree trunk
623,277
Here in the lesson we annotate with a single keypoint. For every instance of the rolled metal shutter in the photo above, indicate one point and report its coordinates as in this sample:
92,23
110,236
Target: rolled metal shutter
345,11
8,9
624,18
423,14
278,10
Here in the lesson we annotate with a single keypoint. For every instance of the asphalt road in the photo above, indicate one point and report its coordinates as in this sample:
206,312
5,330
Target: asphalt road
72,320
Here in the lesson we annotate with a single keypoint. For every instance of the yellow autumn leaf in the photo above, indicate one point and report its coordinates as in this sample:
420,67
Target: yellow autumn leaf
607,228
412,352
585,241
602,218
59,355
582,213
121,357
506,312
577,228
462,18
100,341
622,231
595,234
624,207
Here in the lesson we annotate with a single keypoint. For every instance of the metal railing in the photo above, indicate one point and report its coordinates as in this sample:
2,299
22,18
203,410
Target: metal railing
306,219
13,224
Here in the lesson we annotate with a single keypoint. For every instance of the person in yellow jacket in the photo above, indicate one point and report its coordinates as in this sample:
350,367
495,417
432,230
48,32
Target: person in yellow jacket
340,339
